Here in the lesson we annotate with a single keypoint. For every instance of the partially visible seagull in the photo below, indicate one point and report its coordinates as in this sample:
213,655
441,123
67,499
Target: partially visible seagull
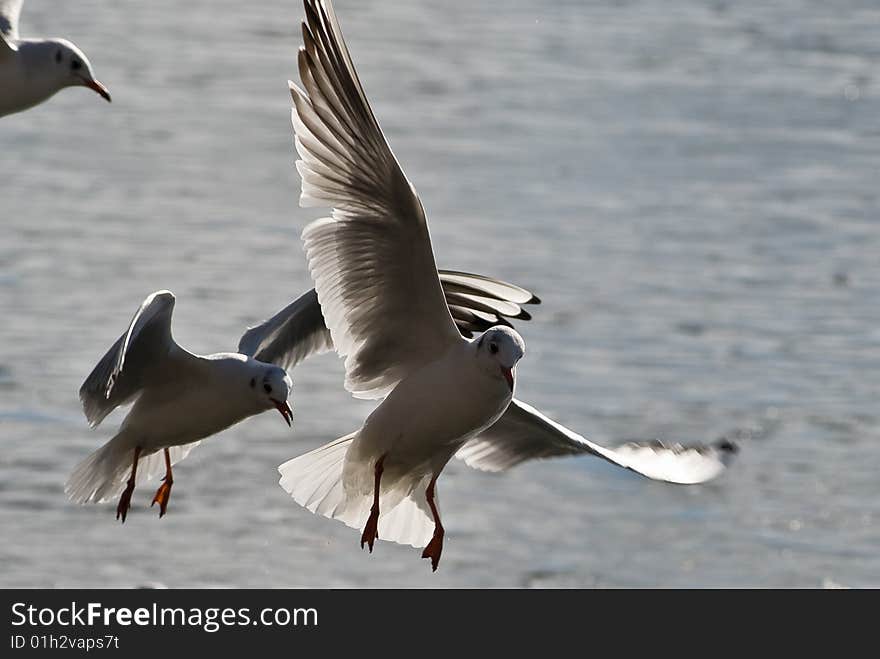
381,297
33,70
181,398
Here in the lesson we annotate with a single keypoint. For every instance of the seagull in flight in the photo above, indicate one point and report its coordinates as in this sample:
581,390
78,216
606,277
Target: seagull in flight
33,70
179,398
382,299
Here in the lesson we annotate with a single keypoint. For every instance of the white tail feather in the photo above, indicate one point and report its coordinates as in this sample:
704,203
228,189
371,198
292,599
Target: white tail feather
102,476
409,522
315,481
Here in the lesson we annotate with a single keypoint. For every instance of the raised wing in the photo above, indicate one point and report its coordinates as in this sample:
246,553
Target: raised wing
145,354
289,336
372,261
298,330
10,10
477,302
523,433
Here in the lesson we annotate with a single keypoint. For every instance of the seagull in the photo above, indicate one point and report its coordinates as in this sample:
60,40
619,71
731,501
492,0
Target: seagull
381,297
33,70
181,398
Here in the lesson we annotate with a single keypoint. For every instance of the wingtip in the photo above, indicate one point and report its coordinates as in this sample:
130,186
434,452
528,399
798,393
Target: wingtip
160,295
298,96
9,44
534,300
726,446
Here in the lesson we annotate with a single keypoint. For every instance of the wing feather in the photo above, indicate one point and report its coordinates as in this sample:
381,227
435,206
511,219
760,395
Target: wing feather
138,357
523,433
299,330
291,335
372,262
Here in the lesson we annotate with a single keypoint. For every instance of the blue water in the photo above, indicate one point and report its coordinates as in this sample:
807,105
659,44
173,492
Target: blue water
690,187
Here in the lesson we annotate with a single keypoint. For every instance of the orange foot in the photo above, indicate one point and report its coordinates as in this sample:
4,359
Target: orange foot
371,530
434,549
125,501
162,495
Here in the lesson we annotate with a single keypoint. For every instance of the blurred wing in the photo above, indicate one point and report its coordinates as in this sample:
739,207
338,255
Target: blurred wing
372,261
298,330
7,47
146,353
10,10
523,433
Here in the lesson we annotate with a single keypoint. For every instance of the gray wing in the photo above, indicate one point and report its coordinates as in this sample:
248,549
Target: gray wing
523,433
145,354
289,336
10,10
299,330
477,302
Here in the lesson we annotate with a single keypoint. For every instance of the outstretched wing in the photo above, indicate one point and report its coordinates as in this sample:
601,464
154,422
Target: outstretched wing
145,354
298,331
523,433
372,261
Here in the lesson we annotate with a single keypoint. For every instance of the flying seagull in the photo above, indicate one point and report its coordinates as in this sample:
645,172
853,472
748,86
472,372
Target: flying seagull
382,300
33,70
180,398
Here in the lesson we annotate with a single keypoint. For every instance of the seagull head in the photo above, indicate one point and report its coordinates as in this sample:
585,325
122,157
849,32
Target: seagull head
72,68
499,349
272,386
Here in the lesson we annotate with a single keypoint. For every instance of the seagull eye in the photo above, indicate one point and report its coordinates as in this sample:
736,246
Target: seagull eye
253,382
267,388
75,65
493,348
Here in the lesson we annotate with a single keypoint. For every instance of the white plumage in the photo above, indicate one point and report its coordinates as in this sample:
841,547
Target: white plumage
523,433
33,70
179,398
382,300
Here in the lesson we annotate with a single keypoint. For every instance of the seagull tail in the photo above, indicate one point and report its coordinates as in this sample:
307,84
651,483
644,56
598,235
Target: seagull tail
102,476
316,481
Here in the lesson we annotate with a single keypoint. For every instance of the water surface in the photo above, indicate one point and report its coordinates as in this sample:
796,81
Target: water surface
690,187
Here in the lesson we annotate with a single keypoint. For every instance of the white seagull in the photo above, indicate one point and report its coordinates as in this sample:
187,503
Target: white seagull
381,297
181,398
33,70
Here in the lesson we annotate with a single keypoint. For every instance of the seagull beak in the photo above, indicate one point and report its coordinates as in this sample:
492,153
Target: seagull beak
98,88
508,375
285,410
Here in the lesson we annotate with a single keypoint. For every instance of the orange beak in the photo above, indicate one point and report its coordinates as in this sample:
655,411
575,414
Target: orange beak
508,375
285,410
98,88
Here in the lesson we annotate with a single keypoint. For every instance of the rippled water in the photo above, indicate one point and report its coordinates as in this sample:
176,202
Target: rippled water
691,188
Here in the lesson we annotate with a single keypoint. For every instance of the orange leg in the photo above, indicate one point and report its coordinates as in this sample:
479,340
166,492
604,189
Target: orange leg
371,530
435,547
125,499
164,491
